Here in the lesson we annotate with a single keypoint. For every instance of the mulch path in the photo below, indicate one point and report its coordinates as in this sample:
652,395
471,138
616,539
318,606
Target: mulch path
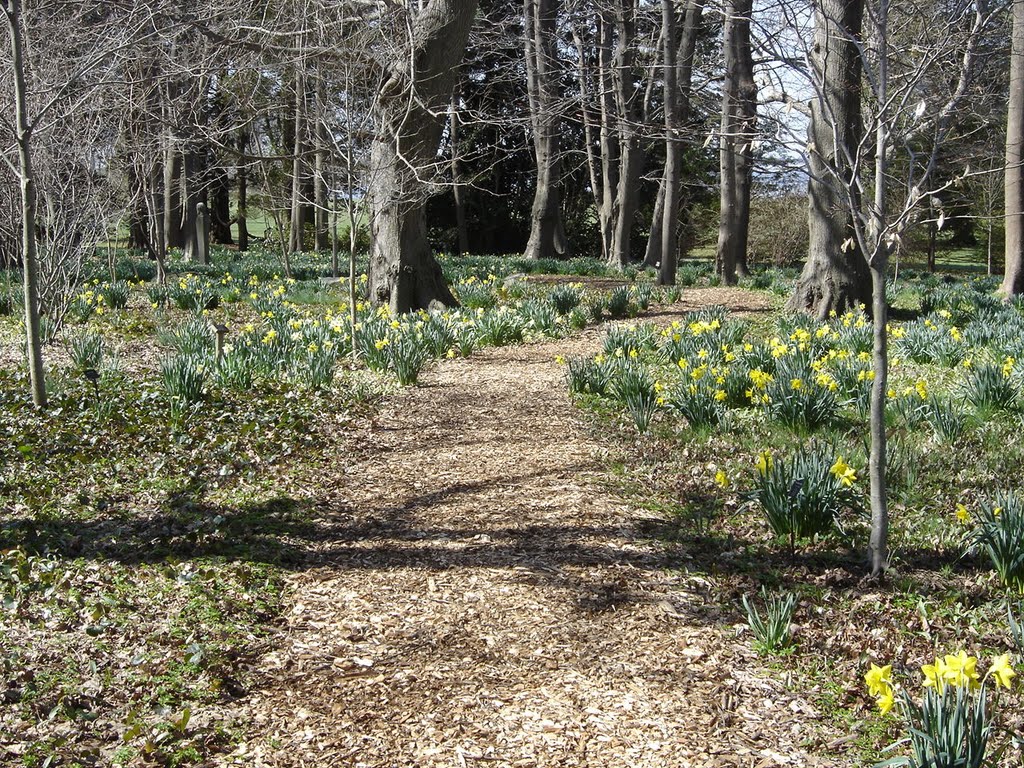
495,603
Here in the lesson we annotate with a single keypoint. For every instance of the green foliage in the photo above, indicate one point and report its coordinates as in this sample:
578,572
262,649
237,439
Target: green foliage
115,295
1000,532
194,294
950,728
585,375
800,403
643,294
803,496
989,387
406,357
184,379
633,386
771,631
697,403
565,298
500,327
86,351
946,419
619,303
540,316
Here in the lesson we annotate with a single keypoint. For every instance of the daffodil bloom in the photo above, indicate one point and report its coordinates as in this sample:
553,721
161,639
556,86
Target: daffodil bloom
878,679
684,364
844,472
934,674
558,359
1002,671
796,383
886,700
961,670
764,462
721,478
962,514
720,395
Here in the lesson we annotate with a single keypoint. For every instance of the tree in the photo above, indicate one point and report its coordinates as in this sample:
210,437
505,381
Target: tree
1013,277
547,231
835,276
737,137
410,118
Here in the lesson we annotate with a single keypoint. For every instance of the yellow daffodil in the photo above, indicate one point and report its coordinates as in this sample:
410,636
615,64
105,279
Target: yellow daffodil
878,679
1002,671
844,472
962,515
764,462
722,479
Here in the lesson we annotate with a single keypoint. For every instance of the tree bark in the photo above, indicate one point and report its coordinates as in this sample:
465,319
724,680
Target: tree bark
403,272
1013,276
738,132
297,217
172,195
835,276
547,230
631,154
242,177
673,151
462,230
29,258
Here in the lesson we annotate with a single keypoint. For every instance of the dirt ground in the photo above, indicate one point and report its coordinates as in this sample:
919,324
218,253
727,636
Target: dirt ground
487,600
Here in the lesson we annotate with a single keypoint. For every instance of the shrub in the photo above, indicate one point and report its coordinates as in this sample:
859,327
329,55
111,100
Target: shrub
588,376
804,496
619,304
989,387
115,295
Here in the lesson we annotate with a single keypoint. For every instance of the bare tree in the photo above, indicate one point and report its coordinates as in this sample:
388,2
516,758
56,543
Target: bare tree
1013,277
410,119
547,230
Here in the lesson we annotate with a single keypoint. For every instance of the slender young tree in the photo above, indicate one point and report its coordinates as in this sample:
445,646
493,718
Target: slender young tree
1013,194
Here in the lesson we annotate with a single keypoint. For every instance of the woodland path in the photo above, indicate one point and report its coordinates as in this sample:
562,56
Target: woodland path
497,603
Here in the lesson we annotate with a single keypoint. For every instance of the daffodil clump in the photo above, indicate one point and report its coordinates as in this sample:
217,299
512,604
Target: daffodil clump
803,496
999,531
951,726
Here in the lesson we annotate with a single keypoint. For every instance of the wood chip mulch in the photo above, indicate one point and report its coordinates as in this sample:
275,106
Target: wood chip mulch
492,602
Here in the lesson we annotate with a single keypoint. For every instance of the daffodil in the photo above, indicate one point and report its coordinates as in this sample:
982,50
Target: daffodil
962,514
844,472
1002,671
878,679
722,479
886,700
764,462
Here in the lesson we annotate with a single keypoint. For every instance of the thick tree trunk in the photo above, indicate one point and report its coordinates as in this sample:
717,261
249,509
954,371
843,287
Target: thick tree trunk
29,259
172,196
403,272
652,255
1013,276
547,230
220,207
835,276
738,132
631,156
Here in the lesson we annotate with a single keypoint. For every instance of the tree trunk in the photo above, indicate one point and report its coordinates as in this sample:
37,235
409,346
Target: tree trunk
835,276
631,155
673,151
193,194
403,272
172,196
738,133
547,230
220,207
462,231
1013,275
680,103
297,219
29,259
608,136
242,176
